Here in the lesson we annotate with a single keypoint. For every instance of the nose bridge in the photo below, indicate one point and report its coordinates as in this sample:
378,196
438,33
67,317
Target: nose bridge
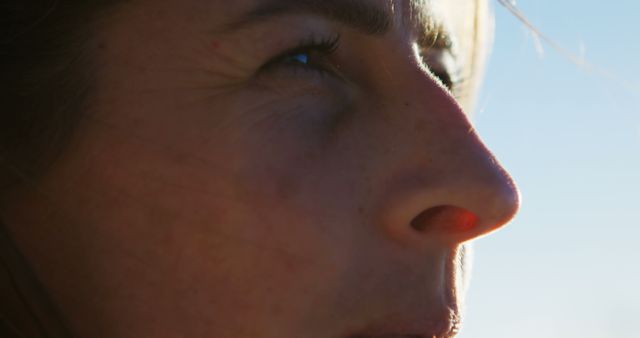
449,186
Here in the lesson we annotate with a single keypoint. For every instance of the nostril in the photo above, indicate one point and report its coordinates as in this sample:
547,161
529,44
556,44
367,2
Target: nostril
445,218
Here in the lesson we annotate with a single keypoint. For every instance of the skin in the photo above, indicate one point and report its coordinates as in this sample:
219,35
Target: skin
204,197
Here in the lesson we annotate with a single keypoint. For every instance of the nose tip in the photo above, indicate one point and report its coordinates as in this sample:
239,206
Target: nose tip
470,203
473,214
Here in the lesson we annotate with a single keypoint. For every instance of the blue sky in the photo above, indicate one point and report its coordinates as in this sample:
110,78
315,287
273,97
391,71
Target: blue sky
568,266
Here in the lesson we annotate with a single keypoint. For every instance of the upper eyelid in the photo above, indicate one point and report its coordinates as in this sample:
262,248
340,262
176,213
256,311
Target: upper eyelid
434,35
323,44
429,38
284,33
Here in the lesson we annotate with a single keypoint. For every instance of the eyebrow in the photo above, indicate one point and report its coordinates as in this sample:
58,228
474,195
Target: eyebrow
359,14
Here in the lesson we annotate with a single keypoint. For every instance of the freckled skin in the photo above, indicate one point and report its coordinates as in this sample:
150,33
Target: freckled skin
199,199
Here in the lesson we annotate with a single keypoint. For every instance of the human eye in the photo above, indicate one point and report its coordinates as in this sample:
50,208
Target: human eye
310,56
448,70
439,57
444,67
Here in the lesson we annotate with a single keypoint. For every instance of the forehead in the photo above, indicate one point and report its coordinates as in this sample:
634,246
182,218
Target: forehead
456,15
449,10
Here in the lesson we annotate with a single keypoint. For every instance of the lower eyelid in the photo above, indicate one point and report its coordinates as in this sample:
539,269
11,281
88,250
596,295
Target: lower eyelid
295,72
299,79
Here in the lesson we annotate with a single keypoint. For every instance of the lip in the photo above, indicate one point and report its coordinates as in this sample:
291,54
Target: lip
443,325
441,321
393,336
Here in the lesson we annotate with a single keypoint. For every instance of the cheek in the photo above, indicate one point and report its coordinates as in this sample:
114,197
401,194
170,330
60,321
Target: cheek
256,221
266,198
299,190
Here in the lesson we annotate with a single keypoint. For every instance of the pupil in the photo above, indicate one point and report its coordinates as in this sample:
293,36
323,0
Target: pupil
301,57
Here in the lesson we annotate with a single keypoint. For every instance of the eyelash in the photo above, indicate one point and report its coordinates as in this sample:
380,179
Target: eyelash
317,47
324,47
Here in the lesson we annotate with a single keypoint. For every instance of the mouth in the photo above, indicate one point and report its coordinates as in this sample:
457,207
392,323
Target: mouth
403,336
438,319
396,336
445,325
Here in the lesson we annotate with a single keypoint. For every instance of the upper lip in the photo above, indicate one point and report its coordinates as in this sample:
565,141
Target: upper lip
441,321
443,325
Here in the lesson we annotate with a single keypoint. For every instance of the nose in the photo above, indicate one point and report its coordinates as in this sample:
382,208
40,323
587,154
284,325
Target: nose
448,186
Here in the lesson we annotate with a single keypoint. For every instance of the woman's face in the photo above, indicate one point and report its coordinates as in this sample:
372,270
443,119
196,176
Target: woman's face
268,168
